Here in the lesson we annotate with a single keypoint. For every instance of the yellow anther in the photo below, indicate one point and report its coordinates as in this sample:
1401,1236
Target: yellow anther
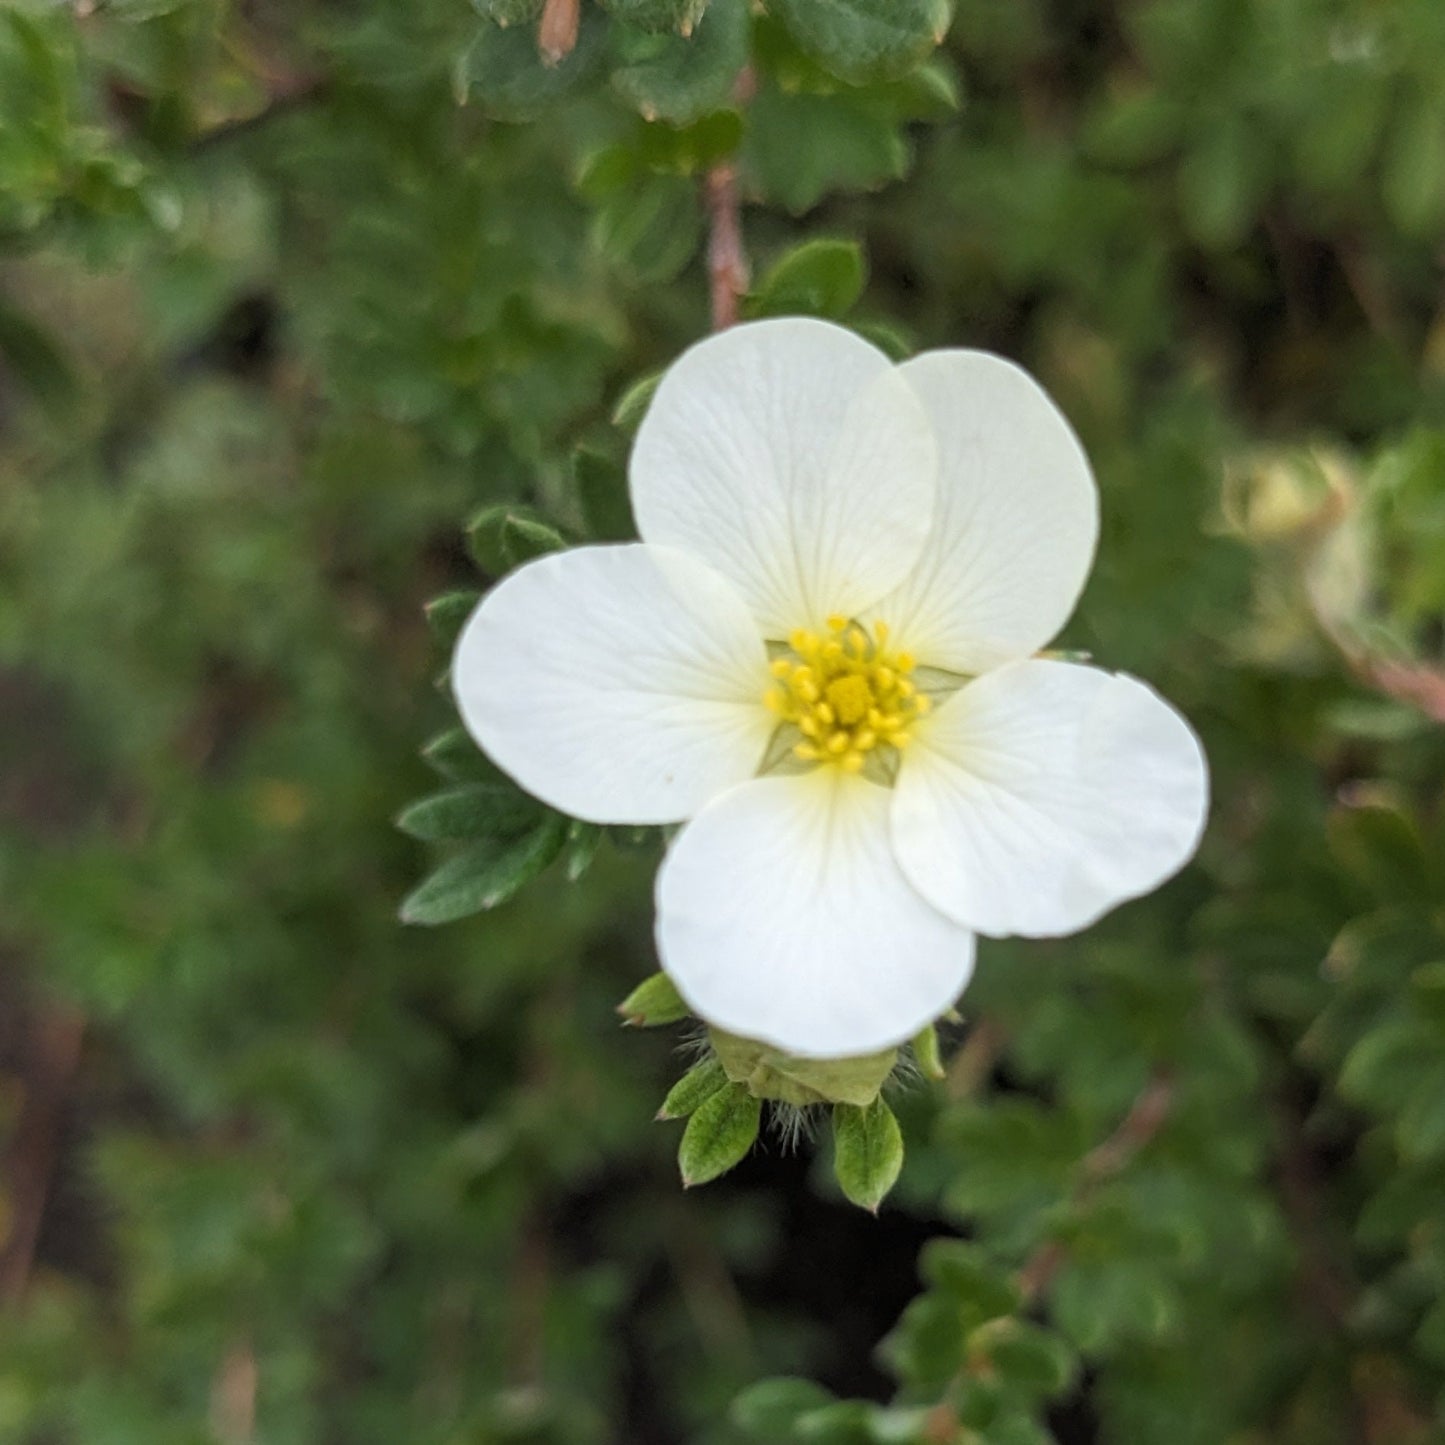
922,704
844,693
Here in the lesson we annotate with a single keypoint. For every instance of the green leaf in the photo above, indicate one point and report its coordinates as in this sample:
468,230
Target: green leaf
583,841
602,494
926,1054
925,1348
509,12
507,535
1135,128
819,278
695,1088
690,149
1381,846
447,615
485,874
799,148
1100,1304
864,39
768,1410
681,77
35,358
1413,183
653,1002
1382,1069
679,15
474,811
1222,183
633,403
1032,1361
966,1271
503,72
652,228
718,1135
867,1152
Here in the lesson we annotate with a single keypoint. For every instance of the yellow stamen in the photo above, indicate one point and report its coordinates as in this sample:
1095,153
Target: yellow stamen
846,693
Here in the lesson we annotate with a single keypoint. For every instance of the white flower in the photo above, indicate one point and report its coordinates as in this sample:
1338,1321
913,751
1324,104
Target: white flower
847,565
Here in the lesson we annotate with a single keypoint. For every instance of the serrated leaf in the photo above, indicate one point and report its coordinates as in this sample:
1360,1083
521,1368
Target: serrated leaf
680,77
865,39
768,1410
695,1088
632,405
447,615
800,148
474,811
583,841
718,1135
507,535
485,874
821,277
509,12
503,72
867,1152
653,1002
676,15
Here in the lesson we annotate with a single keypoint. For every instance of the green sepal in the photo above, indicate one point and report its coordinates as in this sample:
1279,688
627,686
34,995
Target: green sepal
867,1152
694,1089
583,840
485,874
718,1135
770,1073
455,756
447,615
473,810
926,1053
507,535
655,1001
633,403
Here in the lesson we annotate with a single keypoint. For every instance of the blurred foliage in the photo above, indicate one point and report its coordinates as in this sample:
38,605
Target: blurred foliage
289,294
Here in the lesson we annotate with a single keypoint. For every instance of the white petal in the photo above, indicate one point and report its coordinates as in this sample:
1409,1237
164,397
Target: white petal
792,457
619,684
1015,523
1043,793
782,916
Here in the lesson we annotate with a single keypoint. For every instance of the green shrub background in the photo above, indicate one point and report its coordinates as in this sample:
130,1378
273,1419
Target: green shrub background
288,292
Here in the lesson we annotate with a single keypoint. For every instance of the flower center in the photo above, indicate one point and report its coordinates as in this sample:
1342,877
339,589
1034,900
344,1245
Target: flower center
845,692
